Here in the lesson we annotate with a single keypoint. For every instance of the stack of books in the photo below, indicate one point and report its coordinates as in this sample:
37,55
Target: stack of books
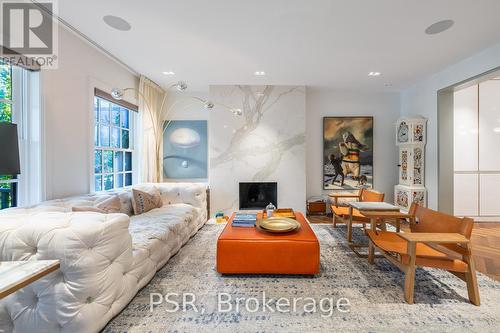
245,220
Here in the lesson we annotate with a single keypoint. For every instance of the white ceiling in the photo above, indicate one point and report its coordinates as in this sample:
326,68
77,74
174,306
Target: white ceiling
333,43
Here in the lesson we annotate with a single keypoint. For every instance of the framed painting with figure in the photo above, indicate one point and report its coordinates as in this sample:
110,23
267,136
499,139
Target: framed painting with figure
347,153
185,149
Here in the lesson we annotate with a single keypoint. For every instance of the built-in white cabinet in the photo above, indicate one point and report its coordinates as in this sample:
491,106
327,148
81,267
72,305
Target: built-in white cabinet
476,118
466,194
465,138
489,126
489,184
411,136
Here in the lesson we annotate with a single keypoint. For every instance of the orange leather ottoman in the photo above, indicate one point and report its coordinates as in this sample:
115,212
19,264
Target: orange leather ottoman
243,250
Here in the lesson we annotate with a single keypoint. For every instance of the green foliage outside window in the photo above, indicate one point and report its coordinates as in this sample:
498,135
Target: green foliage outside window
5,112
5,177
5,92
5,192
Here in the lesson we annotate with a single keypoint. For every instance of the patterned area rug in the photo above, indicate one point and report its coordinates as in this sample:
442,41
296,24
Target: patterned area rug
374,292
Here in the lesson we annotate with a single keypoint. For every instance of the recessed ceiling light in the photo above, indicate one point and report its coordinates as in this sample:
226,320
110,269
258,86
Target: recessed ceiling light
117,23
374,74
439,27
168,73
260,73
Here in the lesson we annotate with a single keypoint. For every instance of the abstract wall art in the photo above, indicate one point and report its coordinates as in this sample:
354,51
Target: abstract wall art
185,149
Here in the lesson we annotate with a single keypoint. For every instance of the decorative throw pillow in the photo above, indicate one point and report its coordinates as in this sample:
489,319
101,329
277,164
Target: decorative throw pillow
126,201
109,206
145,201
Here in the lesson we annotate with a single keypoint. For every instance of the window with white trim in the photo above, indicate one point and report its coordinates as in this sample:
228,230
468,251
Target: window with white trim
113,145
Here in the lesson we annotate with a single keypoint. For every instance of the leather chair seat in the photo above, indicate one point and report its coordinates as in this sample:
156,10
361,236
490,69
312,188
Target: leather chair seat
344,213
426,255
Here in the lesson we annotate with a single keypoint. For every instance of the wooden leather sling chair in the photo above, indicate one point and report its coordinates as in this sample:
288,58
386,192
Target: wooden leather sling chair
436,240
341,214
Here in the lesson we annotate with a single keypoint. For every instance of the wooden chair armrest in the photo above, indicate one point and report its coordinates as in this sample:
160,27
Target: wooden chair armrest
343,195
434,237
381,214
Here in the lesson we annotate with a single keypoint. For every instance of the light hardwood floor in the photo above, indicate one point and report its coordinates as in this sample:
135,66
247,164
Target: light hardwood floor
485,245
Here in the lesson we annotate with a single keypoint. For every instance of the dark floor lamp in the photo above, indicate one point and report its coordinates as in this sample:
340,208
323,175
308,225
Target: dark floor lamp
9,162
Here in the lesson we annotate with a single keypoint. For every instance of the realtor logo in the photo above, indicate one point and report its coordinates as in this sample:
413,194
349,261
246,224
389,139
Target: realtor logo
29,30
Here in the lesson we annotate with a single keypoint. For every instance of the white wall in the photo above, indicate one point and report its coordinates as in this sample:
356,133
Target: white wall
67,94
384,107
265,144
185,108
421,99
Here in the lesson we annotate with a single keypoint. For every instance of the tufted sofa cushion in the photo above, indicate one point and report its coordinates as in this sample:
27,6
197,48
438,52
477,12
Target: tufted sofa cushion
95,252
105,259
158,234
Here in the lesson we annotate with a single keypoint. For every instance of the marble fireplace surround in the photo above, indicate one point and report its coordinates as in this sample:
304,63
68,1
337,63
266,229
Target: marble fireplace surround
266,144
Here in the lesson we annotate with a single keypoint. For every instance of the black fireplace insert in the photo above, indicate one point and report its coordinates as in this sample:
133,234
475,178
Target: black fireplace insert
257,195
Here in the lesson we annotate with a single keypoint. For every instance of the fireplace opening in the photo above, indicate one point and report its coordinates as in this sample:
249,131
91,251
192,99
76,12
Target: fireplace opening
255,195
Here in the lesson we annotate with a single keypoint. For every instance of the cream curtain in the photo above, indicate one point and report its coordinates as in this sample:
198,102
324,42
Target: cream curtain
151,104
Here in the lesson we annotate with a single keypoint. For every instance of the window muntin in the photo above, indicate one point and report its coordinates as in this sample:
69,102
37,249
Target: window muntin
113,149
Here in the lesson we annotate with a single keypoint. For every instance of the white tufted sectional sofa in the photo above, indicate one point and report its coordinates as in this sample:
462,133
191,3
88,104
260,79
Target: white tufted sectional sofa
105,258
